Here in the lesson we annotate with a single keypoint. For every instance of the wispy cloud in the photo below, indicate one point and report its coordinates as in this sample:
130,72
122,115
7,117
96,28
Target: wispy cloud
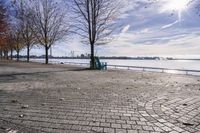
125,29
147,30
170,25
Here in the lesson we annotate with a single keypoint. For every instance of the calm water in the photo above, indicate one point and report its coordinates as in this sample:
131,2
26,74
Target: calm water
172,64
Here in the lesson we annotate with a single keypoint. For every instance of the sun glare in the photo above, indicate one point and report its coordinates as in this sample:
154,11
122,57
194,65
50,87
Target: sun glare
176,5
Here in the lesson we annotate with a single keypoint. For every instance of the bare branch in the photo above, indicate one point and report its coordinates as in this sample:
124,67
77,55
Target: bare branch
48,23
95,20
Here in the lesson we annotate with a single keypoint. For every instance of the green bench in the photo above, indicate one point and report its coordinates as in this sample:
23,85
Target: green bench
100,65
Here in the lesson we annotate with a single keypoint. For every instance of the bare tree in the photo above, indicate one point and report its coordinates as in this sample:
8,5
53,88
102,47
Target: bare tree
10,32
95,21
18,41
49,23
11,45
3,28
23,11
11,40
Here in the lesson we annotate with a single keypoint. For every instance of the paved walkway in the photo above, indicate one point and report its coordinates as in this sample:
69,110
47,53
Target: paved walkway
61,100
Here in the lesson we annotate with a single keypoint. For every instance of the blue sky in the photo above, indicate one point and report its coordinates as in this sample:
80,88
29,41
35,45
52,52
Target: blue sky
164,28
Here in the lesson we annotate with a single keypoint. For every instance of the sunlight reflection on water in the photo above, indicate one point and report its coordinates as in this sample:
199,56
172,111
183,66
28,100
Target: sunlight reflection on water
173,71
168,64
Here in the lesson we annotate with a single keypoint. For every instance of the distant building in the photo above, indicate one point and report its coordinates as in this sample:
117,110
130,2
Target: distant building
82,56
89,55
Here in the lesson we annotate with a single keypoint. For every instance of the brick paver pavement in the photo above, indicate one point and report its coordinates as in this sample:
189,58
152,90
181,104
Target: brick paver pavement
61,100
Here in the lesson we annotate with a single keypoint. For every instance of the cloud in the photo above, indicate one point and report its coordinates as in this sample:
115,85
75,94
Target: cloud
170,25
146,31
155,44
125,29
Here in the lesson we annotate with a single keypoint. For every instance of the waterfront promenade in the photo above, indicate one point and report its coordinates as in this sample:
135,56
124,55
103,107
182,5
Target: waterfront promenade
38,98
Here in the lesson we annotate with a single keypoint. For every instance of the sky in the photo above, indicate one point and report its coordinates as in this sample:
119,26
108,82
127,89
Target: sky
168,28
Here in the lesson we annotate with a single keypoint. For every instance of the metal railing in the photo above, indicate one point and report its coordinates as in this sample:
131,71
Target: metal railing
148,69
157,69
75,63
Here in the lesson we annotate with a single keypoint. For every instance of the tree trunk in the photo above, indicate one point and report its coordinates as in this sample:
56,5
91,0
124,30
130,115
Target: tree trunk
5,54
92,65
1,54
28,53
17,55
11,54
47,55
7,57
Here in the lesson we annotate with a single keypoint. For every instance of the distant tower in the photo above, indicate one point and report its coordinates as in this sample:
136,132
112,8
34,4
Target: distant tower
72,53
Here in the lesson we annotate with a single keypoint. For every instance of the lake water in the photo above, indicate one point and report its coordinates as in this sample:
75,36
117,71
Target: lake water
171,64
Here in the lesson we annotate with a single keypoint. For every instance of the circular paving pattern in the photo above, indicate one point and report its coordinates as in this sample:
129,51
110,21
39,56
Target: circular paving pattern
115,102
